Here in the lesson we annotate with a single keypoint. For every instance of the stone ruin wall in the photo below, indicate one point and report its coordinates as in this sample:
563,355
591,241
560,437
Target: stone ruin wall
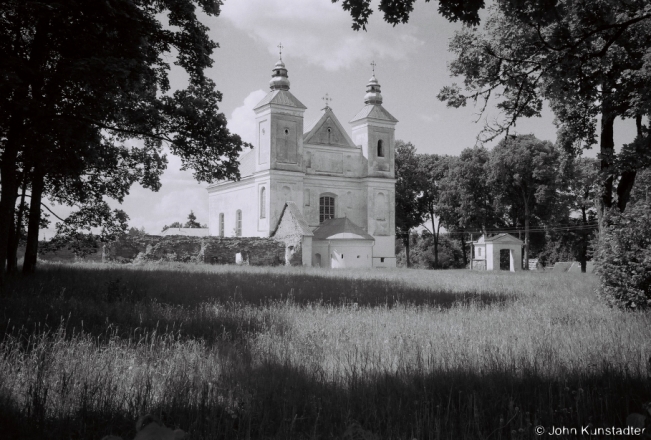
210,250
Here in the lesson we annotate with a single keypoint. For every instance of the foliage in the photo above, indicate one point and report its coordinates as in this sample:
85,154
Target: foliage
524,180
76,232
86,117
191,223
624,255
409,183
298,353
588,60
398,11
450,254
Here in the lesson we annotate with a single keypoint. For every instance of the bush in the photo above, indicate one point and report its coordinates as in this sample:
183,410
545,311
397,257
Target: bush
624,257
422,253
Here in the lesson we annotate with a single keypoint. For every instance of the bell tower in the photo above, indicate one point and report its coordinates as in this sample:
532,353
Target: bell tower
279,120
373,129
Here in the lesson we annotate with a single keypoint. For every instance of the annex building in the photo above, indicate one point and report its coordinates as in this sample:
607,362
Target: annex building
334,191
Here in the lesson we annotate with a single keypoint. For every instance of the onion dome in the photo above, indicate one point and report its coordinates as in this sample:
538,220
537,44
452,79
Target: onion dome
373,95
279,79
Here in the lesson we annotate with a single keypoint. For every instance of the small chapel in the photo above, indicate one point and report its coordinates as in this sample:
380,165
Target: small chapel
335,191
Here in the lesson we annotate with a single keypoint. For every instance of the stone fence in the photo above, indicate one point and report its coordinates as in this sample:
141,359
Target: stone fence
211,250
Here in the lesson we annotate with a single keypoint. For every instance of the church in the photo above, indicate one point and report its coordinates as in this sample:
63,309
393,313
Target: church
334,191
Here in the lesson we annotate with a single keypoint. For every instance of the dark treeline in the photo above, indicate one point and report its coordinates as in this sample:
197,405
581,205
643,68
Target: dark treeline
86,111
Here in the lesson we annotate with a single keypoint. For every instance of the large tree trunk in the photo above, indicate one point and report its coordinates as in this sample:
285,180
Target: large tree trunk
463,250
628,177
607,150
9,191
527,214
435,233
14,241
406,243
583,254
31,248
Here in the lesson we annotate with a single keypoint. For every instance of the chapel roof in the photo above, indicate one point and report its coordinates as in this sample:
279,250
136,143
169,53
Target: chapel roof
498,237
290,209
340,229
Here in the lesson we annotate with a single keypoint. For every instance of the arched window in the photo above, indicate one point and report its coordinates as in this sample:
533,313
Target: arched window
380,148
326,208
263,202
238,223
221,224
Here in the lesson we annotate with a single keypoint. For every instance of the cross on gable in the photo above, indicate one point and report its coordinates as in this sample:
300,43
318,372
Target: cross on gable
327,99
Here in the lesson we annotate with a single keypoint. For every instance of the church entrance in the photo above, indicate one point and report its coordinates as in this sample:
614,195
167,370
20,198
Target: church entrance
505,259
317,260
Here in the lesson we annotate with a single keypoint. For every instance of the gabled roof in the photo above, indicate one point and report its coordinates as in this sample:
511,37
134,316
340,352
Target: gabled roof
282,97
188,232
340,229
291,211
499,237
374,111
335,136
247,163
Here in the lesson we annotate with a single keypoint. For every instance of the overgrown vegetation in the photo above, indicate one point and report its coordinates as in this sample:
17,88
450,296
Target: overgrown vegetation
295,353
625,257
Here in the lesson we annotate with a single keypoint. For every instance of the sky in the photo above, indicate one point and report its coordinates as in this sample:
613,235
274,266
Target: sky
324,55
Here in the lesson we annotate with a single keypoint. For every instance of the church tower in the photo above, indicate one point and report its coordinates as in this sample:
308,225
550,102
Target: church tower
373,129
279,121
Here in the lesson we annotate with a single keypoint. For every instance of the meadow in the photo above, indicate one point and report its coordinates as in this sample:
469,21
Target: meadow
227,352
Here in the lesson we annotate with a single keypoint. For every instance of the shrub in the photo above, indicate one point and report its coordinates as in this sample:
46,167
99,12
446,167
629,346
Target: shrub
624,256
422,253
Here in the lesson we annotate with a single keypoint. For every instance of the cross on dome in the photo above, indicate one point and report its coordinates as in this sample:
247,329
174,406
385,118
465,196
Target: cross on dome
280,50
373,64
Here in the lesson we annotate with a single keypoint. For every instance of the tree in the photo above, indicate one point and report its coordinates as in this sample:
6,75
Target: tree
588,59
524,179
409,183
80,81
432,168
172,226
192,221
397,11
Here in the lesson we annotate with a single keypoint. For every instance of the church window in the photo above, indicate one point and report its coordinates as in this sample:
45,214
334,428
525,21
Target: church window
286,131
479,252
380,148
221,224
263,202
326,208
238,223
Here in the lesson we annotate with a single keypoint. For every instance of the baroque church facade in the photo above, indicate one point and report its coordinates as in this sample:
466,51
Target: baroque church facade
339,188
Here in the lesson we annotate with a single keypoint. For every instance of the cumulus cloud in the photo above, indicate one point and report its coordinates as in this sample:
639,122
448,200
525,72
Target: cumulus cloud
318,31
242,120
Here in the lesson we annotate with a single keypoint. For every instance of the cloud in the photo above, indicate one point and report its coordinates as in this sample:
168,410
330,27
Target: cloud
319,32
242,120
429,117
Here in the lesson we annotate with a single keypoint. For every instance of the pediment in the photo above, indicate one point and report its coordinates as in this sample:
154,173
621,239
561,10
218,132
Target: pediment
328,131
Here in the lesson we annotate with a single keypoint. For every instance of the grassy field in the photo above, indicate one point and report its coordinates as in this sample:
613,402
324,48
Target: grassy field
292,353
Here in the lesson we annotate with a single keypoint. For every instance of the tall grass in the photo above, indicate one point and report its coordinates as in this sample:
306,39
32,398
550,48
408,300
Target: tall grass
296,353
